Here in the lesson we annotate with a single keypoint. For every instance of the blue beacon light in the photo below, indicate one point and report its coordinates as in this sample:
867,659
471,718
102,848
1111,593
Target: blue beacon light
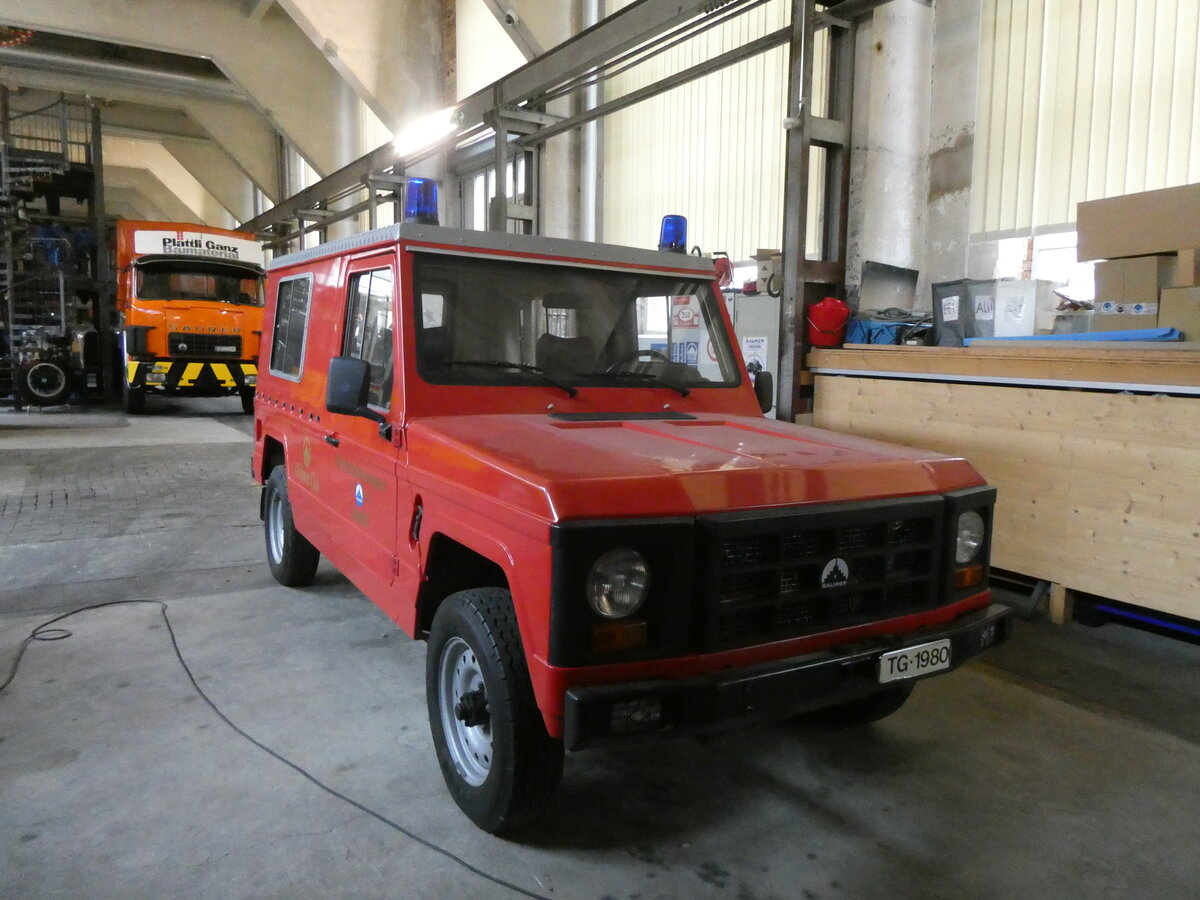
673,237
420,201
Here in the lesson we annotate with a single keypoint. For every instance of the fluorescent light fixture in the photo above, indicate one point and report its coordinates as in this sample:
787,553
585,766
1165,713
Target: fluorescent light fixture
423,133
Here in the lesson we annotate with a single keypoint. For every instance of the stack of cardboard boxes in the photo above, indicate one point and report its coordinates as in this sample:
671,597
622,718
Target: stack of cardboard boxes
1150,271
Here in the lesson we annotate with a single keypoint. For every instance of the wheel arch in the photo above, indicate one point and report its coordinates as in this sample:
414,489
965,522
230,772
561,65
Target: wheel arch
450,567
273,454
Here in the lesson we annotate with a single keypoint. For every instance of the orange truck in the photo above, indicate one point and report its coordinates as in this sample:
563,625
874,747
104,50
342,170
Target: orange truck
190,305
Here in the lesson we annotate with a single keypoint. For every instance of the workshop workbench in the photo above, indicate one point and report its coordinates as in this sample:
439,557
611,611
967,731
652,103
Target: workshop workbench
1093,449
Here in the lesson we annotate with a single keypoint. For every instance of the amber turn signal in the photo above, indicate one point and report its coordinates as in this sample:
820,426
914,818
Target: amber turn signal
968,576
610,637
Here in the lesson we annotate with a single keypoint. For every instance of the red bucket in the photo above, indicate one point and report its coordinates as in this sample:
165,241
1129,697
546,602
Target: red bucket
827,322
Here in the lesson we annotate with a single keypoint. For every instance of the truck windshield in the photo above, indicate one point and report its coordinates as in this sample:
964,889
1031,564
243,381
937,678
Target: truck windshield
489,321
196,280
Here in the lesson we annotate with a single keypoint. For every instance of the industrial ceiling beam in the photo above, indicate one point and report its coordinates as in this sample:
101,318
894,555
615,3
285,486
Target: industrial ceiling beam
119,72
622,31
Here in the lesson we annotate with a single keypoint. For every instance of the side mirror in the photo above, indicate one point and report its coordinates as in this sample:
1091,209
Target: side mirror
347,388
764,390
348,384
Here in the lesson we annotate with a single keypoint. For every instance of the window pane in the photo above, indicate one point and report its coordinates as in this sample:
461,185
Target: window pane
369,330
508,323
291,321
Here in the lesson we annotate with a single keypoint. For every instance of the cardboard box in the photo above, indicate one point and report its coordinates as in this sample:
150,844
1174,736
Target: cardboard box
1124,319
1110,279
1139,224
1180,308
1145,276
1187,269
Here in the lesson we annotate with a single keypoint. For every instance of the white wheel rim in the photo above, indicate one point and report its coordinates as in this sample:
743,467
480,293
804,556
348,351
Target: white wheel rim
470,746
275,527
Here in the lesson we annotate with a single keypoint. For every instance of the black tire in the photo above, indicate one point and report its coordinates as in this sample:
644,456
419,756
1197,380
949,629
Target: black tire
247,398
291,558
44,383
500,765
861,711
134,399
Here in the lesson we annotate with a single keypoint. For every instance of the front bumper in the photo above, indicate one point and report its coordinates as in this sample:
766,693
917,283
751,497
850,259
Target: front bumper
595,716
197,377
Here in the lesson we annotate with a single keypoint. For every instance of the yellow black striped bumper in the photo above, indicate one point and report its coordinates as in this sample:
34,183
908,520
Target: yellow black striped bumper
186,376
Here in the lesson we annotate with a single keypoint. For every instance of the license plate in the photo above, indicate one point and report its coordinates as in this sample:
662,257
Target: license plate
225,348
912,662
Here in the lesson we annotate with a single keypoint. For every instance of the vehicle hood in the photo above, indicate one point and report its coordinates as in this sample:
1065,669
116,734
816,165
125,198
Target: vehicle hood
561,469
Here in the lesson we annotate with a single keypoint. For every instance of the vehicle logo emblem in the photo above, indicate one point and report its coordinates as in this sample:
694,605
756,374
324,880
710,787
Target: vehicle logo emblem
835,574
358,495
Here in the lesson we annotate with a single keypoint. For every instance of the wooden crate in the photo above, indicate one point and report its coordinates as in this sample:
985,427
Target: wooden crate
1097,491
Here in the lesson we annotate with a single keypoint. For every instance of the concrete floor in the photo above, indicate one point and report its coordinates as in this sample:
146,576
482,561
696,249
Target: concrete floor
1065,765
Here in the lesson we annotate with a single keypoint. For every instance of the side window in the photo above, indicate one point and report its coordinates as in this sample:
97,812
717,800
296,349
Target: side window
369,324
291,326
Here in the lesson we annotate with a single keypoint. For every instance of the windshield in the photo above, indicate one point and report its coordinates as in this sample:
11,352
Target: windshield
487,321
196,280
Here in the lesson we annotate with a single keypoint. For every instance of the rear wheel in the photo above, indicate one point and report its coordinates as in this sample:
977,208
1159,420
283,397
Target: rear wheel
45,383
291,558
501,766
871,708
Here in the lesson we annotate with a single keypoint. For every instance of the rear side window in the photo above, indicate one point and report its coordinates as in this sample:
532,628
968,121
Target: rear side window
369,330
291,326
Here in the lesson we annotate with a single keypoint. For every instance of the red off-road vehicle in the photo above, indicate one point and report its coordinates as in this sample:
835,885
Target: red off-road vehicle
546,458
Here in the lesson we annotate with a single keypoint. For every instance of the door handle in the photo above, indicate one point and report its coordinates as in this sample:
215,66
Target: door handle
332,440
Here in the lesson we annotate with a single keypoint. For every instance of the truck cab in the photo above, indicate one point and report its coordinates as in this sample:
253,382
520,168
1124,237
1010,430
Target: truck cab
190,304
546,458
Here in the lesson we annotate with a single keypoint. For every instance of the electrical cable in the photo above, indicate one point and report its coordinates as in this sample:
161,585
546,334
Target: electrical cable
44,633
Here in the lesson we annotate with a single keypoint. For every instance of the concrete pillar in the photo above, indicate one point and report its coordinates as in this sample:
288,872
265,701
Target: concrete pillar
890,162
952,142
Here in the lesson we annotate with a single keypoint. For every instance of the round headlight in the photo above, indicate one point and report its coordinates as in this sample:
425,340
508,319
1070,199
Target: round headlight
970,536
617,584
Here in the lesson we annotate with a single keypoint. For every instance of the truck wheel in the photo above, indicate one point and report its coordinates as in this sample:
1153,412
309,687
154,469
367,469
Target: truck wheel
134,399
247,397
45,383
292,559
500,765
871,708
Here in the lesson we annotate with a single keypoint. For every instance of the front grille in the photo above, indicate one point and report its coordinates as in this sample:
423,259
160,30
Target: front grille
817,569
205,345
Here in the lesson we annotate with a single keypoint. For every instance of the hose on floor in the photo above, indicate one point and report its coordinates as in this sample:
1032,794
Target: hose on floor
45,632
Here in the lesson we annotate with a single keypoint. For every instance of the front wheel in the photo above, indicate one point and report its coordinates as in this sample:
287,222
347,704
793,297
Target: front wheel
291,558
501,766
247,398
134,399
867,709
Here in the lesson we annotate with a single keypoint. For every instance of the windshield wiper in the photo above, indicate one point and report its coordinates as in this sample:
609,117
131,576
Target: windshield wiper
649,376
522,367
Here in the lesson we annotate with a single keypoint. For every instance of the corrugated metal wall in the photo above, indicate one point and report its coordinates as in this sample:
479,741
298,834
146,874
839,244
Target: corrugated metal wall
1082,99
712,150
